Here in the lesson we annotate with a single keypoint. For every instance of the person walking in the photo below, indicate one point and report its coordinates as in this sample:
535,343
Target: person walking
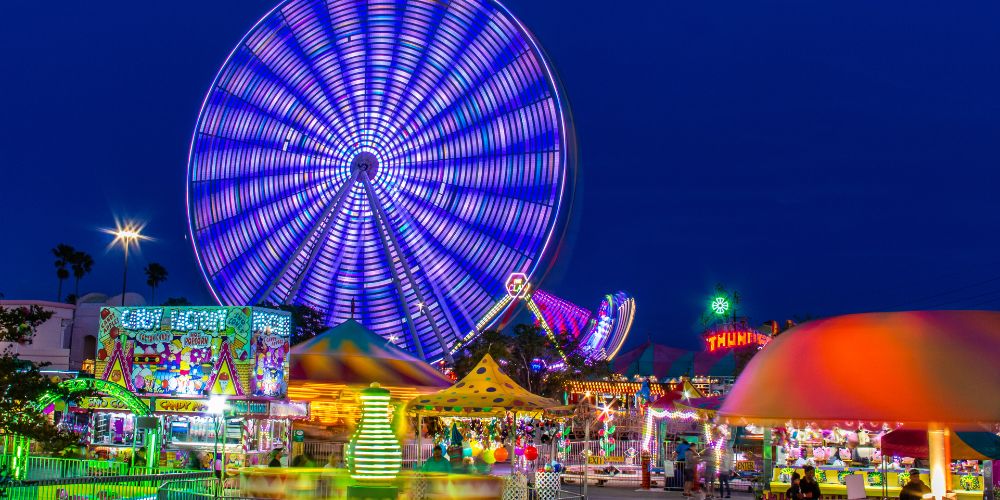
691,461
680,452
915,489
726,471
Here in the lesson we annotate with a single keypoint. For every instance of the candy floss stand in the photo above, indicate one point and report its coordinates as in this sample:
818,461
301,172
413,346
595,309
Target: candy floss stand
214,377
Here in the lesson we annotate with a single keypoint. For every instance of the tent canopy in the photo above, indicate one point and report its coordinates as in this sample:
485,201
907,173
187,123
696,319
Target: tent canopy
911,368
351,354
484,392
964,445
669,362
707,406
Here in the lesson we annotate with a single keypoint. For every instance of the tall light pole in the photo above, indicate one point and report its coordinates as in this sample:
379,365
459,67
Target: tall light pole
127,235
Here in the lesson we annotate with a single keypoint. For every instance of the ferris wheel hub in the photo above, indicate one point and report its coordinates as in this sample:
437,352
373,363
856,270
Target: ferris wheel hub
365,162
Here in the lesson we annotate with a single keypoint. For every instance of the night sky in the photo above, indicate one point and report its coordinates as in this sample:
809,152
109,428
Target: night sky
819,157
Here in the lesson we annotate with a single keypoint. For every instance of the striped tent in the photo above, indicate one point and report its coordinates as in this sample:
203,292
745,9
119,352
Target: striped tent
351,354
669,362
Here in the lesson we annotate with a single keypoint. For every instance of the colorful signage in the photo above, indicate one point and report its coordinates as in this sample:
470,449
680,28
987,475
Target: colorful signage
195,351
177,405
729,337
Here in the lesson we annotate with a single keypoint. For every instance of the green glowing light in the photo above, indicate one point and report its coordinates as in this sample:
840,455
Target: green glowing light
720,305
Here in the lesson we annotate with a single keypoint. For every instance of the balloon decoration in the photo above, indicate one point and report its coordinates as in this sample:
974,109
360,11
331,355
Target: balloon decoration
467,452
531,453
488,457
519,451
477,448
500,454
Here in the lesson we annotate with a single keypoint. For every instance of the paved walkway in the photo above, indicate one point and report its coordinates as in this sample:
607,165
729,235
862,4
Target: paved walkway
605,493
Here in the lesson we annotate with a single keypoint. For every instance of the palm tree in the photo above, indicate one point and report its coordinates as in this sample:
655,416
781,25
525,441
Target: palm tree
155,274
81,263
64,255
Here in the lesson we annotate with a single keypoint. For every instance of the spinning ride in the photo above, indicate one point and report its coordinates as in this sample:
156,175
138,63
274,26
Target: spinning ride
601,333
391,162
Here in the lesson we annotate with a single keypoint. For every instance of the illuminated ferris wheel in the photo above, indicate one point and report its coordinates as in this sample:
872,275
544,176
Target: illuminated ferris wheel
390,161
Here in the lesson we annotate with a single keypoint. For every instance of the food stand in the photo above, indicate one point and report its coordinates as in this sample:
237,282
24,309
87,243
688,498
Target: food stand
788,384
181,360
486,393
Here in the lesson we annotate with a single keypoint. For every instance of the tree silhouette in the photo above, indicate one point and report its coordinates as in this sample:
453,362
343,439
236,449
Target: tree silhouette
531,359
155,274
177,301
64,256
82,263
308,322
22,382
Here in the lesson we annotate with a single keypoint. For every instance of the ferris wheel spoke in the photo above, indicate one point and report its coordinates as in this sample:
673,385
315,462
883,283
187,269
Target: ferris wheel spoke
244,251
397,280
493,92
247,229
522,130
502,76
382,220
415,87
422,255
474,265
270,130
392,75
262,88
318,41
319,233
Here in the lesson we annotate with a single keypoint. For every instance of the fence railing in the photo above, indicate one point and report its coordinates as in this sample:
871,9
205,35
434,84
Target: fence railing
189,489
320,451
41,468
119,487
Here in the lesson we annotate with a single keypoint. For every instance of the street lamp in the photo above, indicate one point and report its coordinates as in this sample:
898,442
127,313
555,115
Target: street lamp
127,234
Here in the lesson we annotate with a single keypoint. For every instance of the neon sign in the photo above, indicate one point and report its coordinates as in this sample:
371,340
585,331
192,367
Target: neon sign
720,305
734,337
517,285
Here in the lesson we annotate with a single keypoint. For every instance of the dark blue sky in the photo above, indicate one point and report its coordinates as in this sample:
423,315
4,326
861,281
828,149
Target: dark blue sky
821,157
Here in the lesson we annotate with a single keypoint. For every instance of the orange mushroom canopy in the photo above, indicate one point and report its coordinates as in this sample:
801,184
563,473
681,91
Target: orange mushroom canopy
913,368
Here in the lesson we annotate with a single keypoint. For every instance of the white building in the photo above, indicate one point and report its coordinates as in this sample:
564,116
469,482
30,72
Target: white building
83,338
69,338
52,338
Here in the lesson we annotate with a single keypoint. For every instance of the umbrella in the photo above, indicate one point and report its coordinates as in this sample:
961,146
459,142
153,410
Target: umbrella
942,357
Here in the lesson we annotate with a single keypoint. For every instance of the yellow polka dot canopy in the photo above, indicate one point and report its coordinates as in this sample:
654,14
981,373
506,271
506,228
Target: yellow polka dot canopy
485,391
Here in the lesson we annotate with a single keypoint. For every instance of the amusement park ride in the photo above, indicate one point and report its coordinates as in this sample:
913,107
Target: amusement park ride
394,167
601,333
391,164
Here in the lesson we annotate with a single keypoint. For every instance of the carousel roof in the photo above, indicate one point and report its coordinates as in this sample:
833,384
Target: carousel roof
351,354
910,368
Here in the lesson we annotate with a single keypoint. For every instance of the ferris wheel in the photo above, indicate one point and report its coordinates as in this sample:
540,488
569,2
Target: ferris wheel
388,161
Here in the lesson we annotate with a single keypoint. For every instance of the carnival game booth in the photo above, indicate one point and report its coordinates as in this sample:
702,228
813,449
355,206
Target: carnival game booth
489,396
927,355
214,377
331,369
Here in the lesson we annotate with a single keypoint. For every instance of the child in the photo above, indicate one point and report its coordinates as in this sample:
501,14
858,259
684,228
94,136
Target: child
795,492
